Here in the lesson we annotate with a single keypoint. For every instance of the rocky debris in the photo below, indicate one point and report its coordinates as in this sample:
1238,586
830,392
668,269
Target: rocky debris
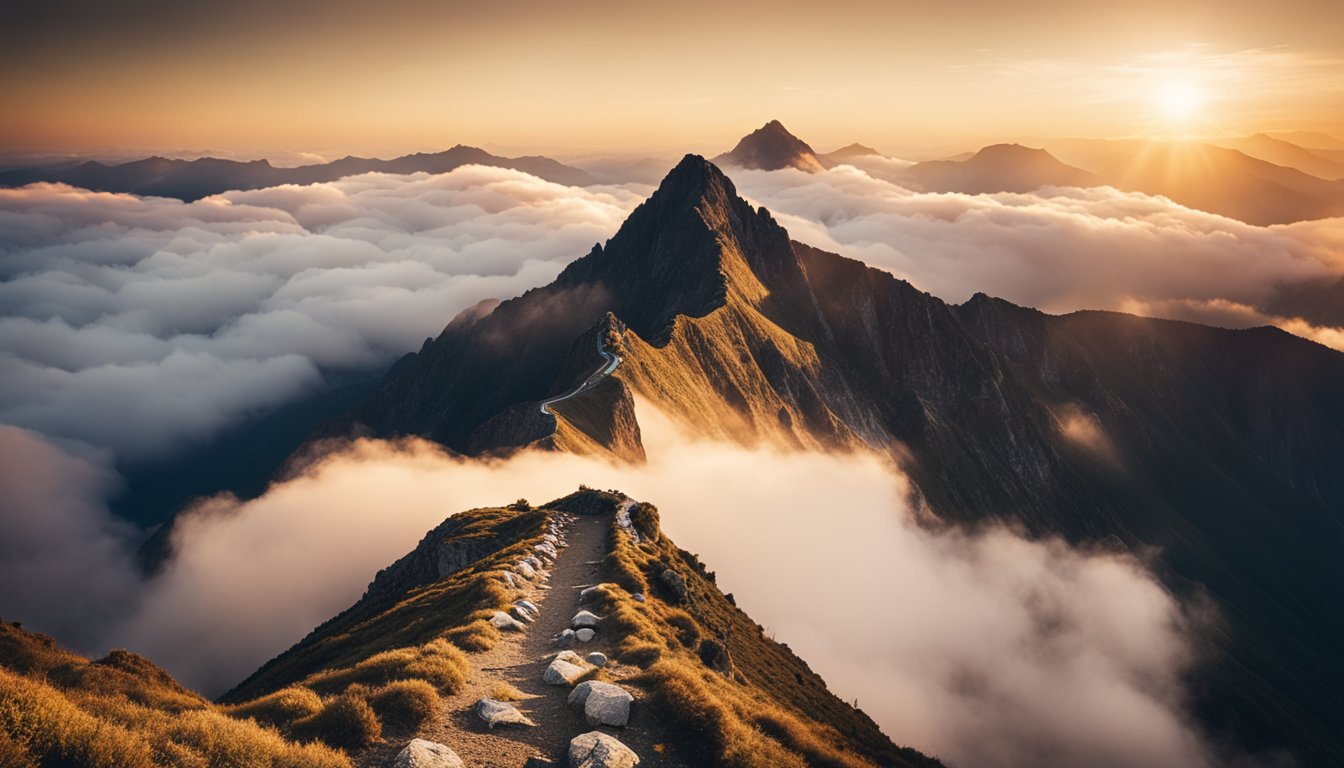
602,703
584,619
534,562
597,659
585,635
638,597
565,669
420,753
529,606
674,582
494,712
587,593
598,750
547,548
623,518
508,579
521,614
525,569
566,638
503,621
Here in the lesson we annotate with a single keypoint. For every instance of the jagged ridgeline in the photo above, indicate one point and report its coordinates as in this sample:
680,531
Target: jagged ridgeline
576,633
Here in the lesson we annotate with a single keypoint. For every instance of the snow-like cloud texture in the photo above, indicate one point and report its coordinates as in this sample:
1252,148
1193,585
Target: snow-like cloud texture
986,649
142,324
1058,249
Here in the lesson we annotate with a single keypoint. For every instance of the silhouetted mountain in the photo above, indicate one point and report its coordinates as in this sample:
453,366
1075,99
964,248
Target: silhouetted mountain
770,148
1209,178
193,179
1219,448
848,152
1286,154
999,168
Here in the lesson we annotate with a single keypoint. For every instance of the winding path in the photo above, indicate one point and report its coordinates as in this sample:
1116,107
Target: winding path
612,361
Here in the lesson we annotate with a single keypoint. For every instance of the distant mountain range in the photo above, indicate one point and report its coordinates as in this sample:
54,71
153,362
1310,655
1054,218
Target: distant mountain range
1260,180
193,179
1220,448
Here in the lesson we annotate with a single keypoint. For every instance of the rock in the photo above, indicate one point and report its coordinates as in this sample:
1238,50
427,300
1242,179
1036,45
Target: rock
566,638
562,672
585,634
674,582
525,569
521,614
533,561
587,593
598,750
540,762
602,703
571,657
529,606
546,548
638,597
420,753
495,713
508,579
502,620
597,659
584,619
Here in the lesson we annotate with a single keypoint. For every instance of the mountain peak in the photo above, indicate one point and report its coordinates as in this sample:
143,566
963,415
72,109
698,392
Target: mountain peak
770,148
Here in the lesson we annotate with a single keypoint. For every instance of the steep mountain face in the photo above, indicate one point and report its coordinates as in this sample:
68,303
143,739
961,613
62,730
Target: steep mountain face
702,684
1286,154
770,148
1000,168
193,179
1218,447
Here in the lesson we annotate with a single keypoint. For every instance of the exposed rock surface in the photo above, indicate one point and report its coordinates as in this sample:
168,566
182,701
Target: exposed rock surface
598,750
503,621
420,753
494,713
602,703
585,619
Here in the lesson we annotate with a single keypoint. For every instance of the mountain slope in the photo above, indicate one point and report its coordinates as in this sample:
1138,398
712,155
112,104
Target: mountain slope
1094,426
193,179
1000,168
709,688
1286,154
770,148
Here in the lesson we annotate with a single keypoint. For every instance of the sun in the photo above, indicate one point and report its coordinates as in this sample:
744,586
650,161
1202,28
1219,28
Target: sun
1179,101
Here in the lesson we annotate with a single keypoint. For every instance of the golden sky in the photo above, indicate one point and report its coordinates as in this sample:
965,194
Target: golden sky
555,77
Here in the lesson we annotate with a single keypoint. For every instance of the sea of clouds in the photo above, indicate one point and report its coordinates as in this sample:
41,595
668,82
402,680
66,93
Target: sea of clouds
132,328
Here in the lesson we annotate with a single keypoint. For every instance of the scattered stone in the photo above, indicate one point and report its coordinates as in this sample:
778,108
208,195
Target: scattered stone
584,619
495,713
533,561
547,549
529,606
525,569
503,621
674,582
566,638
638,597
562,672
508,579
570,656
598,750
587,593
584,635
420,753
602,703
597,659
521,614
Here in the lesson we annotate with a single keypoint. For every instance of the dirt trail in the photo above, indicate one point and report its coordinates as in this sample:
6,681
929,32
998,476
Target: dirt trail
519,660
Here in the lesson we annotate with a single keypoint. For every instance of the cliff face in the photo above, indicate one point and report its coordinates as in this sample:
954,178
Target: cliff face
1219,448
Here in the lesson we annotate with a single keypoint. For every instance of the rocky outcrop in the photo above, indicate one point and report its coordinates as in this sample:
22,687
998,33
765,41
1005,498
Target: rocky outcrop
566,669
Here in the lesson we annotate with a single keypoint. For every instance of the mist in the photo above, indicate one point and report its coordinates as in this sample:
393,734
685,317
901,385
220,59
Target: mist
985,649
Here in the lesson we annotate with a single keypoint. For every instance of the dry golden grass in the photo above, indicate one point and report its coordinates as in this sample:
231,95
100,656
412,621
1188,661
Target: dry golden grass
502,691
437,662
345,722
59,709
279,709
405,705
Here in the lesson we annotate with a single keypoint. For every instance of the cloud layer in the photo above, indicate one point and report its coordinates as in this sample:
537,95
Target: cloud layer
1057,249
142,324
985,649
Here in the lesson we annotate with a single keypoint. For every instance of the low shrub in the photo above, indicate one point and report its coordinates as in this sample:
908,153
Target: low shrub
279,709
345,722
405,705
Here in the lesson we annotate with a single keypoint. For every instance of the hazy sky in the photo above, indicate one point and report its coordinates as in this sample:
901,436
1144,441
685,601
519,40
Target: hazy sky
516,75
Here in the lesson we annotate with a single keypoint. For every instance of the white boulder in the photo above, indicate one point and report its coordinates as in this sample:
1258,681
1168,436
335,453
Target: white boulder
584,619
598,750
597,659
494,712
562,672
503,621
584,635
420,753
602,703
